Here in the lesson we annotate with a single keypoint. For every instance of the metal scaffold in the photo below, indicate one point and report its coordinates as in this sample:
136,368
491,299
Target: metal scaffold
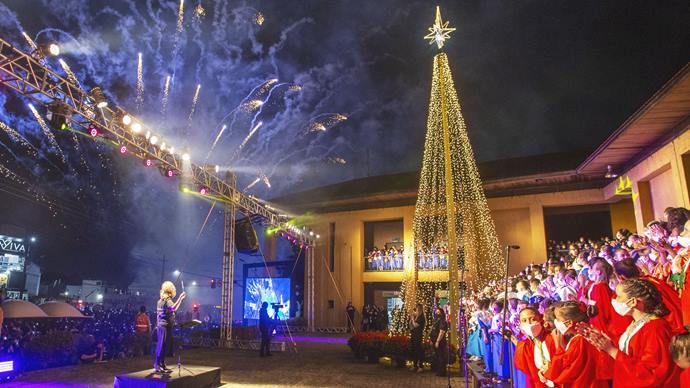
32,78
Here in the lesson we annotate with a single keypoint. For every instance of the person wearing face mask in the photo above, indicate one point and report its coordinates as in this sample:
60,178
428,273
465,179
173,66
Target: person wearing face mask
641,356
597,293
439,342
535,350
683,260
627,269
576,361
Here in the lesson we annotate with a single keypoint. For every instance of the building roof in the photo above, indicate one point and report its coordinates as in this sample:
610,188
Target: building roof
654,124
501,177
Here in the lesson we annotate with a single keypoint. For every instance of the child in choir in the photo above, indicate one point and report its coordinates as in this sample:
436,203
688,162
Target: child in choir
641,356
574,364
484,321
680,353
533,352
501,366
523,290
597,293
627,269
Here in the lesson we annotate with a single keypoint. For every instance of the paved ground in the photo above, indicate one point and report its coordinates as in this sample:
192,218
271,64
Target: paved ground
315,364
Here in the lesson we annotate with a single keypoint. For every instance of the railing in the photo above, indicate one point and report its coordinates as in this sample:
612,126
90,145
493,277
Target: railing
395,263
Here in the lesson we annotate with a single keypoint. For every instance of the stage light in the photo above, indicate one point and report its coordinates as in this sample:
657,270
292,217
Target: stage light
213,283
123,149
148,135
33,239
153,139
54,49
185,157
217,168
93,131
194,283
136,127
170,173
100,296
318,236
98,97
176,272
162,146
203,190
80,301
66,293
311,233
126,119
148,162
58,115
171,151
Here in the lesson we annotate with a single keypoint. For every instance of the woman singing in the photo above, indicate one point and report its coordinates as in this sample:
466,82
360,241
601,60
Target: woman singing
166,320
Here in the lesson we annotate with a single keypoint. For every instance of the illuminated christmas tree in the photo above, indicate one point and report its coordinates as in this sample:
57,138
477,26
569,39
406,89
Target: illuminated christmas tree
451,209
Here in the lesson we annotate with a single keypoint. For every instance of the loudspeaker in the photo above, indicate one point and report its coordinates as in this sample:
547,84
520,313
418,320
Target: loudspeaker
245,236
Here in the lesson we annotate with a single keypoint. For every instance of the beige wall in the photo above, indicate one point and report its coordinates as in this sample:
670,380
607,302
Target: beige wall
622,216
388,232
513,227
662,193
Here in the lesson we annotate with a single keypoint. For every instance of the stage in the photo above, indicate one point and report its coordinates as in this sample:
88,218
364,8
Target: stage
321,361
189,376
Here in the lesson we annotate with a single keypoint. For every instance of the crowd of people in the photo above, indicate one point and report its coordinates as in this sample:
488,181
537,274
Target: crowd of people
598,312
374,318
392,259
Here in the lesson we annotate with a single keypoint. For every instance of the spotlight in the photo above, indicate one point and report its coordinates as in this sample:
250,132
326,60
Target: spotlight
311,233
169,173
98,97
194,282
163,146
126,119
171,150
176,272
100,296
148,135
93,131
148,162
217,168
47,49
123,149
609,172
153,139
136,127
318,236
58,114
203,190
33,239
185,157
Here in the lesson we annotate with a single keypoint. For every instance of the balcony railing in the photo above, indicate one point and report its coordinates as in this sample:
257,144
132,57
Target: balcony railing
396,262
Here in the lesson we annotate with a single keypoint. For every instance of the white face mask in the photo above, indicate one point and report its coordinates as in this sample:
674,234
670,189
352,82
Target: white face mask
532,330
560,326
620,307
684,241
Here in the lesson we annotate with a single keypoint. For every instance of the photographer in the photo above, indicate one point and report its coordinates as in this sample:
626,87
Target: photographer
265,327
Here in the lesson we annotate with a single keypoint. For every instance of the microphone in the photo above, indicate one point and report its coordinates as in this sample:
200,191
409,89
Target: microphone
514,246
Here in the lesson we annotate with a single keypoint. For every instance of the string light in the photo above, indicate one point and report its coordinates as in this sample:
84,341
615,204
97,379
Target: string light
475,240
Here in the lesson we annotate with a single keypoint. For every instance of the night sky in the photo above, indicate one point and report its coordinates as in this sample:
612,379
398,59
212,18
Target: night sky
533,77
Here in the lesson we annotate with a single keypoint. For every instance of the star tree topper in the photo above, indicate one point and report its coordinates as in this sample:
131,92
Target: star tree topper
439,31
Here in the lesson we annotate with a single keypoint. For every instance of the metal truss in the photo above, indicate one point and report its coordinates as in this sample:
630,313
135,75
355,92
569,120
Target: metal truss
31,78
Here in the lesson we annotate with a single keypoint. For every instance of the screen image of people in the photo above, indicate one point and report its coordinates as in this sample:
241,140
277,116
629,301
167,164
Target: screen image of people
274,291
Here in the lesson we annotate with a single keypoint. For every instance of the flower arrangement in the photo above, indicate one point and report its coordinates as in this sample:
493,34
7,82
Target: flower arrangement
375,344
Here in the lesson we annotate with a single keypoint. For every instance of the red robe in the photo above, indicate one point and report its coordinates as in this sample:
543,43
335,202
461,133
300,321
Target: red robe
649,362
671,300
685,298
607,319
524,358
576,367
685,378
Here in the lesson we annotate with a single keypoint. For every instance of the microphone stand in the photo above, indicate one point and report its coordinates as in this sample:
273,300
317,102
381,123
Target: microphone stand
502,356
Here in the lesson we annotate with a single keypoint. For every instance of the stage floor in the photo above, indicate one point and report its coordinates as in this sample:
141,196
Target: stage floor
320,361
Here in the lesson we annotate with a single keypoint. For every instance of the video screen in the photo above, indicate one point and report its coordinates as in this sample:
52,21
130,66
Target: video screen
259,290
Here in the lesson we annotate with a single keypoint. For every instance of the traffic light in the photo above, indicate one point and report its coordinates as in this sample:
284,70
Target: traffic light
213,283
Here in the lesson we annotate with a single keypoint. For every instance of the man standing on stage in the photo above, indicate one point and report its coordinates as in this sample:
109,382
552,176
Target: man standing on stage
265,327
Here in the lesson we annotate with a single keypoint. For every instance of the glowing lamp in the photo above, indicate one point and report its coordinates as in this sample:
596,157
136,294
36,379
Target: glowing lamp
148,135
99,98
169,173
136,127
217,168
126,119
93,131
148,162
54,49
318,236
185,157
203,190
194,283
171,150
153,139
123,149
176,272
